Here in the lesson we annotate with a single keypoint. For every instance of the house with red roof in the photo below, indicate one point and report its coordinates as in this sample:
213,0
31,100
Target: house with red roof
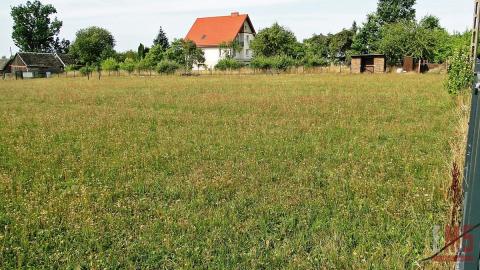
211,33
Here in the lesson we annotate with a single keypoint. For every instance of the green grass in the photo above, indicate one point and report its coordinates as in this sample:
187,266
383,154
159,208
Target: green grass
234,172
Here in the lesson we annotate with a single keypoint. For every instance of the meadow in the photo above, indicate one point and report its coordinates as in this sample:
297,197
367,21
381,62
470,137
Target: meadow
224,172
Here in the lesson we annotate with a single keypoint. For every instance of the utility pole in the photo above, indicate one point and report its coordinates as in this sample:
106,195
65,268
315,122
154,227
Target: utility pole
469,253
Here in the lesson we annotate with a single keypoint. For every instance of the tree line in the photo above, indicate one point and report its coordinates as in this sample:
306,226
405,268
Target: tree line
391,30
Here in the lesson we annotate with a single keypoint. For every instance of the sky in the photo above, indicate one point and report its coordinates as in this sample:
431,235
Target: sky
134,22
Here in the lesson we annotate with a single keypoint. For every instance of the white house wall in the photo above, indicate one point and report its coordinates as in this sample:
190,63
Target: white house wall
212,56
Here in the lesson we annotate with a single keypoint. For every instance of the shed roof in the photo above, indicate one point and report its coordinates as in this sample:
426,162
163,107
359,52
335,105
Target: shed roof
66,59
213,31
39,59
368,55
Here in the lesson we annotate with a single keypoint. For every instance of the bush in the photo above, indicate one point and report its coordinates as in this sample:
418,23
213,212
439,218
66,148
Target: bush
261,62
229,64
283,62
460,74
86,70
110,64
315,61
128,65
279,62
167,67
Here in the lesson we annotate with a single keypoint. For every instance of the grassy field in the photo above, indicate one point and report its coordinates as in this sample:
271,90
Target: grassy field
227,172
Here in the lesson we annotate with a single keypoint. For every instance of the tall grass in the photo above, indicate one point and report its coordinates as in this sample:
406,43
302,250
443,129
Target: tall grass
258,172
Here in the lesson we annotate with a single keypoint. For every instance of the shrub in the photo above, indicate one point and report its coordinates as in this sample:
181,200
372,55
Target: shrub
167,67
229,64
86,70
460,74
315,61
261,62
110,64
282,62
128,65
279,62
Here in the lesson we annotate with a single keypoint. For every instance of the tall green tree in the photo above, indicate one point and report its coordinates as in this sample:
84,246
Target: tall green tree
185,53
393,11
92,45
368,36
161,39
430,22
274,40
34,27
340,43
141,51
154,56
318,45
408,39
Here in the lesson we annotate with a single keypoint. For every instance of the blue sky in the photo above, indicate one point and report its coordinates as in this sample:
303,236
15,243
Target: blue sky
132,22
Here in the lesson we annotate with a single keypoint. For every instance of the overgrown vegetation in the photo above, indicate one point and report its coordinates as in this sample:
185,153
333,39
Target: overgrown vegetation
229,64
285,172
460,71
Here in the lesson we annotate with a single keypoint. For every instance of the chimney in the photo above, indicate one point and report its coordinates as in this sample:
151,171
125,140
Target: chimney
235,14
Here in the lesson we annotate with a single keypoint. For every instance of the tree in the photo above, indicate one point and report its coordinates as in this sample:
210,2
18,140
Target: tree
185,53
229,49
393,11
161,39
430,22
154,56
408,39
366,41
340,43
275,40
128,65
120,57
141,51
61,46
33,28
92,45
317,45
110,64
192,54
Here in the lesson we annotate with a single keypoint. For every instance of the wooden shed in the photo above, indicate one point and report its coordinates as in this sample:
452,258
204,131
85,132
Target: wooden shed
40,62
368,63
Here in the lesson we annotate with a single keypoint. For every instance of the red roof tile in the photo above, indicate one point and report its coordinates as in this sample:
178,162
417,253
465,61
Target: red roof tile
212,31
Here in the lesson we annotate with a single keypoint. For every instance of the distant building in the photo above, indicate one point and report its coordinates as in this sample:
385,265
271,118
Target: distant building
368,63
4,66
210,33
40,63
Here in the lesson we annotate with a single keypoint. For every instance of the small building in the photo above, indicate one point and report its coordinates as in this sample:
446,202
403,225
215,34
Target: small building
38,64
411,64
211,33
4,66
368,63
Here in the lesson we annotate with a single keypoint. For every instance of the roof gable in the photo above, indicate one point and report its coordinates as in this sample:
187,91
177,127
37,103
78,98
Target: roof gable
213,31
